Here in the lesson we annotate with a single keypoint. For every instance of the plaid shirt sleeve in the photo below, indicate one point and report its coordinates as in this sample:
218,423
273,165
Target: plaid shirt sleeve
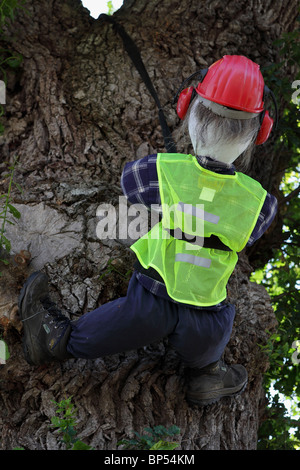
139,181
265,218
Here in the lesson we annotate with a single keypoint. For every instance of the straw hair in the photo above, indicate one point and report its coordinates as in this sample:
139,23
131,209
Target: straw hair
221,138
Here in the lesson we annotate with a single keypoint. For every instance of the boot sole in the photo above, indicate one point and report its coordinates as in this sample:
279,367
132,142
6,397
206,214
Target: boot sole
27,338
212,397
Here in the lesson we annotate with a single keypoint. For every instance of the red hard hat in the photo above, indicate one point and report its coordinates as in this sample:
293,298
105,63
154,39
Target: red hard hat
235,82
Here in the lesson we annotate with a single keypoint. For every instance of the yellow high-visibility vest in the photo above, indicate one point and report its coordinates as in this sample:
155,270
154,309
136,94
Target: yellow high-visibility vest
199,203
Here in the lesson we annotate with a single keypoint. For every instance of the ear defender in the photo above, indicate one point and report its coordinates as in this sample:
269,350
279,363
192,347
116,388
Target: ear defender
265,129
184,100
185,97
266,121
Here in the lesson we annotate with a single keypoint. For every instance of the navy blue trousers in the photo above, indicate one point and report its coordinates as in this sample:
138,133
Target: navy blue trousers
198,335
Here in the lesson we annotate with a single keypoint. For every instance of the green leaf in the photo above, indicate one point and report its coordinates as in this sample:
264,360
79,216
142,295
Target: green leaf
79,445
5,243
55,420
164,445
14,61
19,187
14,211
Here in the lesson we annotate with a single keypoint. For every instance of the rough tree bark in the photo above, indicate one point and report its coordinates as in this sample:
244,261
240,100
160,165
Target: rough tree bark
76,111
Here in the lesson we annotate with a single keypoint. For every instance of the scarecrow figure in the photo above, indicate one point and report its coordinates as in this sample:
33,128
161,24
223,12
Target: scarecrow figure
210,212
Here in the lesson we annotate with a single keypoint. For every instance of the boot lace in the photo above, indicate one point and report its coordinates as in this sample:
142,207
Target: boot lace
54,314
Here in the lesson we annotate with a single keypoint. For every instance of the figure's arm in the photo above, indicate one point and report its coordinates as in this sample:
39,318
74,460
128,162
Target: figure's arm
265,218
139,181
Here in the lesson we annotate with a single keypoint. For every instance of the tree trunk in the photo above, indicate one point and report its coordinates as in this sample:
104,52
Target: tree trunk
76,111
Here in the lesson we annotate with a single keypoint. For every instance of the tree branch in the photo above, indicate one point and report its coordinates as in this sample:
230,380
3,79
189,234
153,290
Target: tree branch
275,298
290,196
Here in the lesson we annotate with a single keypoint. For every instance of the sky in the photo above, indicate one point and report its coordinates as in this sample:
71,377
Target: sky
97,7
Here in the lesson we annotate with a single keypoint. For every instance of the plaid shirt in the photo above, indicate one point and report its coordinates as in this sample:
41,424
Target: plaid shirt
139,183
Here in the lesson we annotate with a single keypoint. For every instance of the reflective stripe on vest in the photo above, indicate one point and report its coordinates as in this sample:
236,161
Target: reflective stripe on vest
196,260
198,212
222,206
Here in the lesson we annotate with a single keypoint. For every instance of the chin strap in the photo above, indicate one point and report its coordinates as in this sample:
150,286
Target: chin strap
136,58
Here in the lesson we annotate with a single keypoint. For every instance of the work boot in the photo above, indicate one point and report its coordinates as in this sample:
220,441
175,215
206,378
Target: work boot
217,380
46,330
